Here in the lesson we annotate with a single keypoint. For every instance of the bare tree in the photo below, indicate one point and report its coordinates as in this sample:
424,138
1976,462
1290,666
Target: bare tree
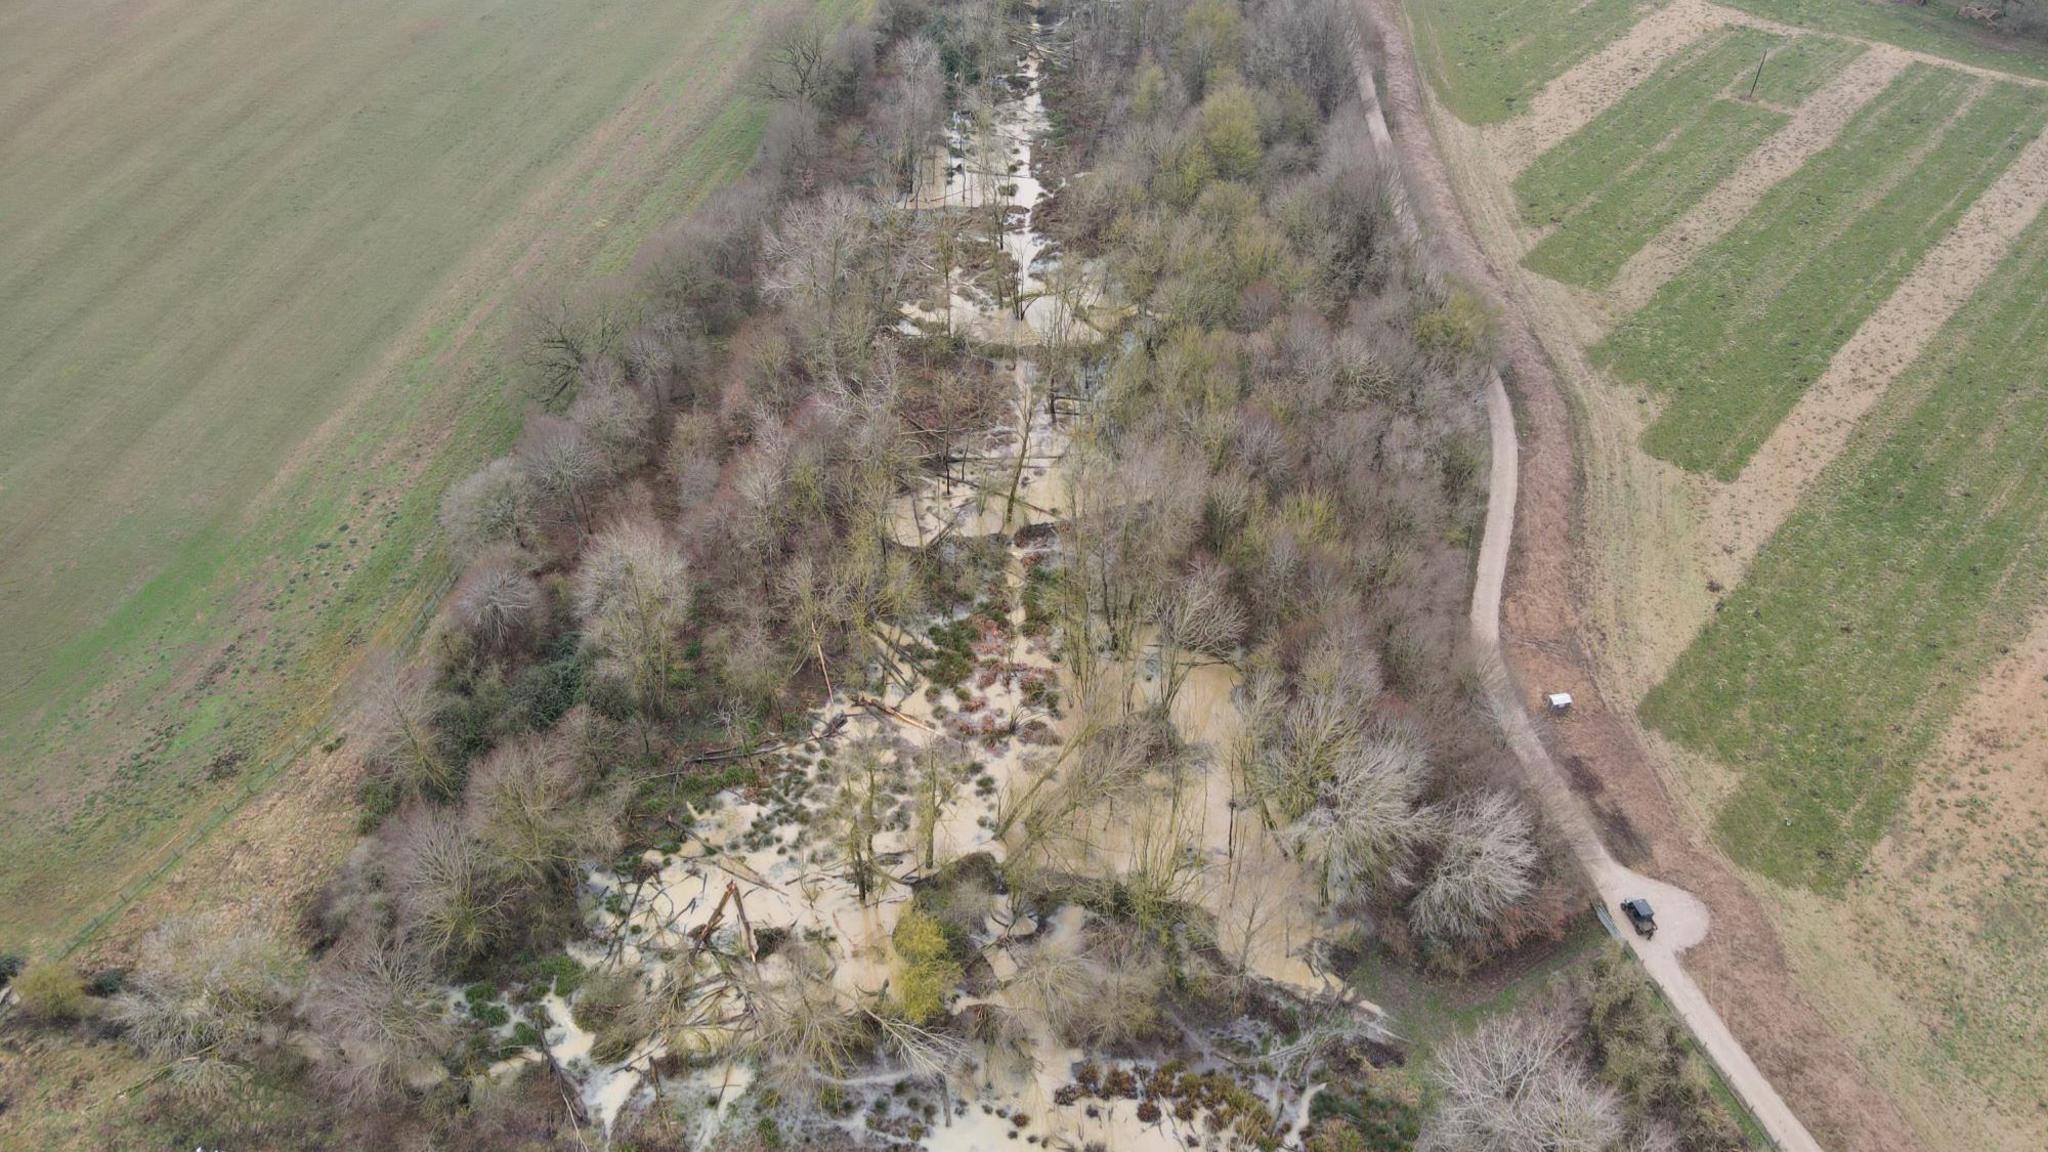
633,595
1306,42
1104,763
759,483
402,740
448,901
562,465
1198,621
1122,977
492,505
381,1015
860,799
618,423
563,338
822,260
1487,864
527,807
910,113
497,601
1364,831
936,776
795,61
1513,1085
802,1025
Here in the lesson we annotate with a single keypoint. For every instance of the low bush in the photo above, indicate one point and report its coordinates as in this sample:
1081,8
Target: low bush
50,991
926,970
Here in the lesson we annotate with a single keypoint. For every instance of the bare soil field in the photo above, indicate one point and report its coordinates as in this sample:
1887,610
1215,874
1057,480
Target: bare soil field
1911,1006
254,273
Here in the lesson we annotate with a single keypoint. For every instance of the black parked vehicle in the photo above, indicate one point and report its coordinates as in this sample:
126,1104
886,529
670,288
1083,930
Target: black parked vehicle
1640,916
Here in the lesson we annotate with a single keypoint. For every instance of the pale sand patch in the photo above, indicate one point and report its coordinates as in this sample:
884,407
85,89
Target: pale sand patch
1813,127
1596,83
1742,515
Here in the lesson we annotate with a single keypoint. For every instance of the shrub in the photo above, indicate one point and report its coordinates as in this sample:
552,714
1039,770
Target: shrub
926,970
1641,1051
107,982
50,991
1456,329
208,998
544,693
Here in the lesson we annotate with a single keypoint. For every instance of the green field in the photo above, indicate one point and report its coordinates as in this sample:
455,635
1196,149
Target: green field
256,260
1625,177
1487,57
1879,604
1734,340
1931,27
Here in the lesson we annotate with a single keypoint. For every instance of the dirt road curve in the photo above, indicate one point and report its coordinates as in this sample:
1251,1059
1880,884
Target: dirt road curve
1682,918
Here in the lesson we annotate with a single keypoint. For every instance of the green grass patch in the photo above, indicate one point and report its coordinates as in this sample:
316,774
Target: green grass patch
1642,163
1487,57
1932,27
1875,609
1734,341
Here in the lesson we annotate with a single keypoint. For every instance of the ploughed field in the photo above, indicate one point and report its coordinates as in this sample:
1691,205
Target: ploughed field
1801,250
252,257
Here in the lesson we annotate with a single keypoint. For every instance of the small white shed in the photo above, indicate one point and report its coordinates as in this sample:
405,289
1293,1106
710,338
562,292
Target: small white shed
1560,703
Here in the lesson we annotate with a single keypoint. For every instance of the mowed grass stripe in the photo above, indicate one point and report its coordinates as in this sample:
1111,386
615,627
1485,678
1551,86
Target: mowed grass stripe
1735,340
1641,164
1487,57
1874,610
